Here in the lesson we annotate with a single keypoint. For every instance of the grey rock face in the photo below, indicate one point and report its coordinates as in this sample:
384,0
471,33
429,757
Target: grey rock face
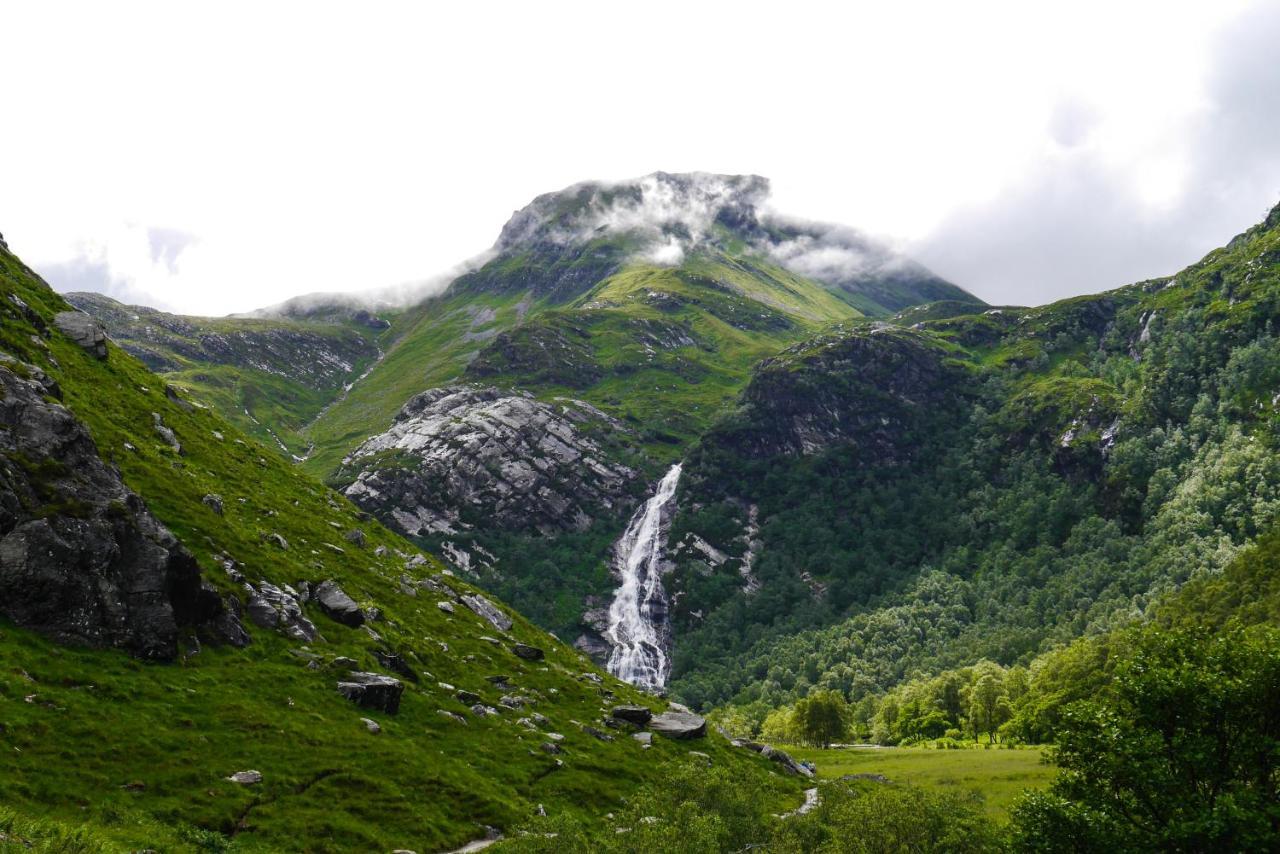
488,610
373,691
84,330
81,558
335,602
463,454
270,607
679,724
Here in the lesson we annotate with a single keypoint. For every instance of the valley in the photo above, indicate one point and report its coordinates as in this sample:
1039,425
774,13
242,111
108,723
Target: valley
664,486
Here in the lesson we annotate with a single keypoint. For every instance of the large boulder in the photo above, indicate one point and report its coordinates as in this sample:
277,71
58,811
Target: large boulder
679,724
638,715
335,602
373,691
271,607
84,330
82,560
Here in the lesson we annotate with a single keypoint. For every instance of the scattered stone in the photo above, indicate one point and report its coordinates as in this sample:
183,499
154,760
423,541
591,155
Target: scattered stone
280,541
356,537
165,433
487,610
453,716
638,715
493,641
213,502
83,330
371,725
499,679
447,607
679,724
482,711
599,735
373,691
335,549
246,778
528,653
335,602
645,738
271,607
511,701
551,747
467,698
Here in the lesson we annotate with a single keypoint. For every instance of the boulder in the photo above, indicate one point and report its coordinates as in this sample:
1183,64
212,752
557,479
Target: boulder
246,778
373,691
213,502
335,602
271,607
396,664
638,715
467,698
82,560
356,537
83,330
678,724
487,610
446,607
645,738
528,653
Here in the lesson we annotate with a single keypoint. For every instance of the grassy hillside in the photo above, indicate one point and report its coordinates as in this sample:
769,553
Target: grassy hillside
140,752
268,376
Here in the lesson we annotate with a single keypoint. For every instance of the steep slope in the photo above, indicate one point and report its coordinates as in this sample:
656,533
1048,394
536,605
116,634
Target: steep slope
1081,459
643,305
269,376
383,702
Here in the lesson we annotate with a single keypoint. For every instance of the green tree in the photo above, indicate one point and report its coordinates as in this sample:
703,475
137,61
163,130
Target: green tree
821,718
1183,754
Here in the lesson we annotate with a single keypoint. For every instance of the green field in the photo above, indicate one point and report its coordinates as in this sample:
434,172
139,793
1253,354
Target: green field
999,776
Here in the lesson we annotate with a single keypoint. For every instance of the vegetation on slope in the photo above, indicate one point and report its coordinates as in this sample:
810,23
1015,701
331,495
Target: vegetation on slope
141,751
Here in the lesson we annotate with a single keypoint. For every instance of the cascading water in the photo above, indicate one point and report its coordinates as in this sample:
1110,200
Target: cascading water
637,617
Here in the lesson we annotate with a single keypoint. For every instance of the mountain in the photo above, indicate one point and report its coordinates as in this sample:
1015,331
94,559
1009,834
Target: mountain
271,377
205,649
903,498
515,420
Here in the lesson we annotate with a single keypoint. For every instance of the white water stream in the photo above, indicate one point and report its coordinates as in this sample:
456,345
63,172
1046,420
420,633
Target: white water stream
639,606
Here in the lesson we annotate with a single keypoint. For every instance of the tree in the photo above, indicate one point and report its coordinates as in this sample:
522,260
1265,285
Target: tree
988,705
1183,754
821,718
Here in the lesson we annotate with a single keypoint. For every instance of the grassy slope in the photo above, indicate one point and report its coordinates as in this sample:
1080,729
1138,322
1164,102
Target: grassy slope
80,729
737,312
999,777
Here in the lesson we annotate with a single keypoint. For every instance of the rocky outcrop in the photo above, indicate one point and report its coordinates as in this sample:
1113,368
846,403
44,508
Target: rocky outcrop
319,355
81,558
869,386
463,455
680,724
372,691
84,330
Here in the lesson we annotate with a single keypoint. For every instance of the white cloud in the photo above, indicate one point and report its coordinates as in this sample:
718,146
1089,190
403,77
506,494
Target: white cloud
309,148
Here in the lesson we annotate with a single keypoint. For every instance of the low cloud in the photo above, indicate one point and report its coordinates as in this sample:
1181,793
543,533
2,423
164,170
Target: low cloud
1079,223
167,244
90,273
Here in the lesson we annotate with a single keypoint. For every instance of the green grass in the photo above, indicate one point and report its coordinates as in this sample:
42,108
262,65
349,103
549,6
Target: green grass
95,737
999,776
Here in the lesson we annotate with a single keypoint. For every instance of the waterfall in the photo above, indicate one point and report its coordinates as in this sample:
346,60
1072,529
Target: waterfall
638,615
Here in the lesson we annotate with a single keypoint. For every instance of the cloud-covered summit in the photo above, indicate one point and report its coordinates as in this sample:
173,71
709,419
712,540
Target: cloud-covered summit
662,218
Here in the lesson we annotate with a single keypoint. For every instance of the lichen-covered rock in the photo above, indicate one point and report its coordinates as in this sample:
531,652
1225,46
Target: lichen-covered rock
463,454
81,558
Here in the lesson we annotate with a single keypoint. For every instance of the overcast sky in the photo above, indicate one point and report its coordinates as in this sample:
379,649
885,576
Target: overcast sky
223,157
